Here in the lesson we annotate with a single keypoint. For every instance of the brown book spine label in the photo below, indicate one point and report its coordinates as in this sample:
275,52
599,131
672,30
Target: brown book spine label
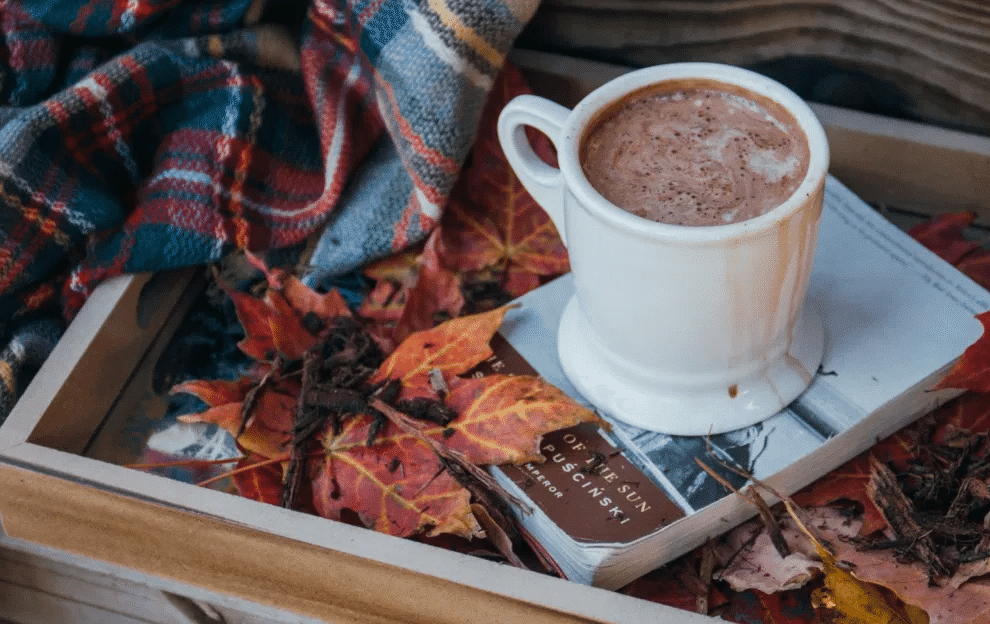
585,484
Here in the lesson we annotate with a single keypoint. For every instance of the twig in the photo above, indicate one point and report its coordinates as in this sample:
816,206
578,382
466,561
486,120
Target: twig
773,528
705,571
251,398
790,506
886,494
762,485
302,421
449,457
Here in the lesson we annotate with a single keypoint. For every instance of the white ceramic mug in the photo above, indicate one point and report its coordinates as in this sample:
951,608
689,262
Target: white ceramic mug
687,330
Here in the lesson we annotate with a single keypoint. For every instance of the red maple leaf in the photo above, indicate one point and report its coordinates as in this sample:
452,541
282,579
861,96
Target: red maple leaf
396,486
401,483
491,221
972,370
976,265
968,413
435,295
413,291
269,432
400,486
258,479
289,318
943,235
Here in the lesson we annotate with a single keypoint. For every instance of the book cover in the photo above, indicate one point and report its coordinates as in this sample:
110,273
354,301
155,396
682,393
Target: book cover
609,506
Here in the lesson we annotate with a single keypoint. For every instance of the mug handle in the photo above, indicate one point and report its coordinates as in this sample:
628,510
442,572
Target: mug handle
543,182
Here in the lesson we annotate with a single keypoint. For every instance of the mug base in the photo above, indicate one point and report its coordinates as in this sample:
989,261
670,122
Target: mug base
692,411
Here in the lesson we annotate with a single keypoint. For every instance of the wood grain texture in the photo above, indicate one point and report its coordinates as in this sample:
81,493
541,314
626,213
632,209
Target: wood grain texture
927,60
230,559
172,603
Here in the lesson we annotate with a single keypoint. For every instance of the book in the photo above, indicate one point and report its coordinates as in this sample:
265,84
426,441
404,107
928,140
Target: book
608,506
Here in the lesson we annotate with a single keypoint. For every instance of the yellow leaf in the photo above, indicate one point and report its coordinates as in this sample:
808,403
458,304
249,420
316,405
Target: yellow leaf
853,600
859,602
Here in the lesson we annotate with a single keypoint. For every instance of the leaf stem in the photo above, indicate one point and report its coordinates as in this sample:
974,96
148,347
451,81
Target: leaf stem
260,464
235,471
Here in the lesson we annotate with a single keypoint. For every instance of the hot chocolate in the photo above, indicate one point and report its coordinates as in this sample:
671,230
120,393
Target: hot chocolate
695,153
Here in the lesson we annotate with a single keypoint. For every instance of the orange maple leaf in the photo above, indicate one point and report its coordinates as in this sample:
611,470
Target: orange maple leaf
502,417
453,348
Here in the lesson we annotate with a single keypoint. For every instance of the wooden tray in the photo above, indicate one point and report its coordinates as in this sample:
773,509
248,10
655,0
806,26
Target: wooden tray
225,549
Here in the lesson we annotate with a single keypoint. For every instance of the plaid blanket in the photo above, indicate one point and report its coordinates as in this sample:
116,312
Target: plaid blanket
140,135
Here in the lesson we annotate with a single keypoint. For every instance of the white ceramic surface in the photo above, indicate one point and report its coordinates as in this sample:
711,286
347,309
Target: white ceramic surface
681,329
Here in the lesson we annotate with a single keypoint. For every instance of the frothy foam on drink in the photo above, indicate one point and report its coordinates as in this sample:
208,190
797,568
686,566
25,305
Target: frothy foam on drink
696,156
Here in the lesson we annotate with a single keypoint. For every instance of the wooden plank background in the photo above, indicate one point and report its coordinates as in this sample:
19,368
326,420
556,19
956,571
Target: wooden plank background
924,60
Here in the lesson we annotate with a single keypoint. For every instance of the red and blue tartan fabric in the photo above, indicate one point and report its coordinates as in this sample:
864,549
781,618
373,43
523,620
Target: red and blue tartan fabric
141,135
